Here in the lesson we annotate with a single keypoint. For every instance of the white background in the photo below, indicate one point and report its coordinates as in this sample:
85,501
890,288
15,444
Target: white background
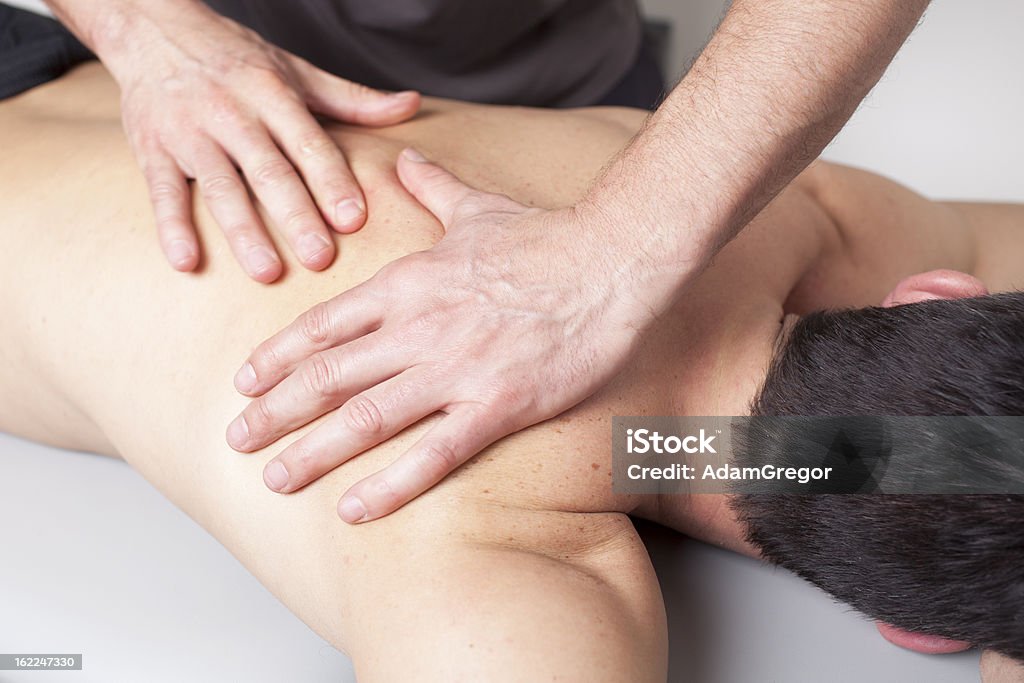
95,561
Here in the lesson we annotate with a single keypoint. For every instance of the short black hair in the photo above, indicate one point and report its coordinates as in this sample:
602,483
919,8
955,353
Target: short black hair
943,565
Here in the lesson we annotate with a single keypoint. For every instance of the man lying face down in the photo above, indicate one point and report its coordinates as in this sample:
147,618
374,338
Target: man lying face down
950,566
137,361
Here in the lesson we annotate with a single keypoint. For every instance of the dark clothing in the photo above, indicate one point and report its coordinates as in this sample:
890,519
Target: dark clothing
642,87
531,52
538,52
34,50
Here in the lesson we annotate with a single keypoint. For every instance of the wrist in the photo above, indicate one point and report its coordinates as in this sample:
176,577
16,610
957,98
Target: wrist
116,30
660,245
93,23
629,261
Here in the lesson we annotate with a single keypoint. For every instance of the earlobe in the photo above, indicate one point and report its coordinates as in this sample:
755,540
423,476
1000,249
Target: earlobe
935,284
919,642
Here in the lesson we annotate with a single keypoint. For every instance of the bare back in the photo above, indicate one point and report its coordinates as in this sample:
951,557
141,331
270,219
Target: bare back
133,358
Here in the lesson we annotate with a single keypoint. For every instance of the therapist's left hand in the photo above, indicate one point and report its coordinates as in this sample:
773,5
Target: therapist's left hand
516,315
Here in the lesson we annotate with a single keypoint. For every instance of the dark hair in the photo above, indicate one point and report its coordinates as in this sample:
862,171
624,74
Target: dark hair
944,565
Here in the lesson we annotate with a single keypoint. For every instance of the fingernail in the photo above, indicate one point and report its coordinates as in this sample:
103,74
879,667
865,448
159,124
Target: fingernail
261,260
275,475
401,97
413,155
180,252
238,432
348,211
245,378
312,245
352,510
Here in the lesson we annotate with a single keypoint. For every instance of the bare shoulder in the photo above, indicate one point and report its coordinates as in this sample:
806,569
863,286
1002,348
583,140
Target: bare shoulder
998,231
541,157
881,232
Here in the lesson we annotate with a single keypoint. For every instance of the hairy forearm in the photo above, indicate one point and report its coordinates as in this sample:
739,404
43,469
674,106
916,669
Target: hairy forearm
105,27
773,87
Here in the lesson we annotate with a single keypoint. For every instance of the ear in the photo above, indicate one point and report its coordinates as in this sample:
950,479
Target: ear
935,284
919,642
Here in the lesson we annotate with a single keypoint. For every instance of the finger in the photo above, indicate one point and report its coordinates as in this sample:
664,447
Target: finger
172,207
229,202
432,186
323,167
321,383
457,438
280,189
366,420
331,323
354,103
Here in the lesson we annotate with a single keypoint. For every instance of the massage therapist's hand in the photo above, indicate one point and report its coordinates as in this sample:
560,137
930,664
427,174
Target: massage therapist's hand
506,322
518,314
205,98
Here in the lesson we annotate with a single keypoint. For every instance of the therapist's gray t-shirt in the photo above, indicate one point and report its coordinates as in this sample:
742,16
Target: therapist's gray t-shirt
531,52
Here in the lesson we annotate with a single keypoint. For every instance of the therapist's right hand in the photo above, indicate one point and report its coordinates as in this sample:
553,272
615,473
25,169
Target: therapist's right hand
204,98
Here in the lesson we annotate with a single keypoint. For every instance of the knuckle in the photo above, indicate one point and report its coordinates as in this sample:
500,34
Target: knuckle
300,459
145,141
317,145
270,83
405,269
506,396
379,489
238,232
300,218
265,360
385,284
218,186
438,458
321,375
250,133
272,171
388,272
166,192
473,204
225,109
316,324
363,416
260,416
172,226
358,91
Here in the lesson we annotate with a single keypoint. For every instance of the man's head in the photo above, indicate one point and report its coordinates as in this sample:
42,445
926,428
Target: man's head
939,345
950,566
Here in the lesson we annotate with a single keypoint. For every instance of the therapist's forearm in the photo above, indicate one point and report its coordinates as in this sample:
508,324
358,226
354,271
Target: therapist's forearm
86,18
105,26
773,87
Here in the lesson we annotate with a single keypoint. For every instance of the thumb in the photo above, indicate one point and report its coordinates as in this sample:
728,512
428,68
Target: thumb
354,103
432,186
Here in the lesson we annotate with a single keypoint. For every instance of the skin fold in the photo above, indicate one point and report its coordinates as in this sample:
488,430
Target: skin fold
523,564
